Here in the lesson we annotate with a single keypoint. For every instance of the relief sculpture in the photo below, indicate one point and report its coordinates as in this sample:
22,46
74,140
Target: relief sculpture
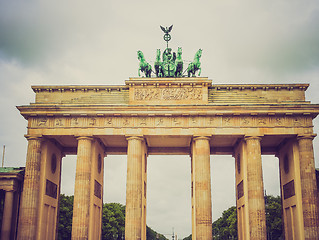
279,121
58,122
92,122
42,122
168,94
297,121
109,121
74,121
171,121
159,122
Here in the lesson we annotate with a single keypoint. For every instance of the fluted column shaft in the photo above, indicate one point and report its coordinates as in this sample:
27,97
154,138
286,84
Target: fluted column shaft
255,185
7,216
134,187
81,206
202,188
30,195
308,187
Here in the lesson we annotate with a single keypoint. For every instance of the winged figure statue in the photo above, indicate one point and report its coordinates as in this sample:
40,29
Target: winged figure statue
167,29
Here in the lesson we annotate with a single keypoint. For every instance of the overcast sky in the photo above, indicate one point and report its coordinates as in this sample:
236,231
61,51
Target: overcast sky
95,42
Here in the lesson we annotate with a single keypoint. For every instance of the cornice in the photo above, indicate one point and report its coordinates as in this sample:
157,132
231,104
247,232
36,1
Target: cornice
265,87
167,81
80,88
35,110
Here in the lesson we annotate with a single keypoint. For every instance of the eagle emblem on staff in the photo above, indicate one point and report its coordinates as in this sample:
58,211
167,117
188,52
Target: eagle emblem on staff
167,30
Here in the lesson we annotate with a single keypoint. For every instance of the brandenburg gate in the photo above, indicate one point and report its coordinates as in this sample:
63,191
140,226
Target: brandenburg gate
162,116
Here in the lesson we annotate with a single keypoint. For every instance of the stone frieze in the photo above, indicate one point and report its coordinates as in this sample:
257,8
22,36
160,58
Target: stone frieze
171,121
141,94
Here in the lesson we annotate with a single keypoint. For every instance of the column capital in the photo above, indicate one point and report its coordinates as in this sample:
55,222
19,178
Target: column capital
202,137
306,136
136,137
257,137
84,138
34,137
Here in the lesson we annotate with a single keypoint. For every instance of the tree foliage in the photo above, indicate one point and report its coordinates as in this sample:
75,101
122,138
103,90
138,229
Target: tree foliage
113,221
188,238
65,217
273,217
225,227
152,235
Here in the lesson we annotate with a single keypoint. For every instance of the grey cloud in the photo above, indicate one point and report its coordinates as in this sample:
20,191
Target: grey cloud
273,37
37,31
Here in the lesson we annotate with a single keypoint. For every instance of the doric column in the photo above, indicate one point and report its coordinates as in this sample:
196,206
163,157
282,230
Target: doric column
7,216
30,195
134,186
202,202
308,187
81,206
255,186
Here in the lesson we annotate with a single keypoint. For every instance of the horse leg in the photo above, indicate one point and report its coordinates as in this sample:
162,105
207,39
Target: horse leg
149,71
179,72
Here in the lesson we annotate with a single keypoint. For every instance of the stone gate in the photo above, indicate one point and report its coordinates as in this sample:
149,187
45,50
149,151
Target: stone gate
188,116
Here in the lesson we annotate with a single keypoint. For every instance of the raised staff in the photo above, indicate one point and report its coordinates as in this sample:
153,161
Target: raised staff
167,36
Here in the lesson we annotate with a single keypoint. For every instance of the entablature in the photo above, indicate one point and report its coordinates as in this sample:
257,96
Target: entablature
161,144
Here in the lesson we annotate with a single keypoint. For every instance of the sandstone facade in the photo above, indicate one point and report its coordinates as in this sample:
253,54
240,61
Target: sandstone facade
170,116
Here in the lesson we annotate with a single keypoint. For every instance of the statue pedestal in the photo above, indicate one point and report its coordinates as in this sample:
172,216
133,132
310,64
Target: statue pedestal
168,91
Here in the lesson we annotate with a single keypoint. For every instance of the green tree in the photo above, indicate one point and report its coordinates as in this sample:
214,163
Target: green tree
152,235
225,227
273,217
65,217
113,221
188,238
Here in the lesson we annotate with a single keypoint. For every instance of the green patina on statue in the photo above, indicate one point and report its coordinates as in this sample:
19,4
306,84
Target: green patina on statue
195,65
171,64
158,64
144,66
179,63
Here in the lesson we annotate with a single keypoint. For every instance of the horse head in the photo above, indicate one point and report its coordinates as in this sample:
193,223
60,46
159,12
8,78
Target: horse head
179,52
140,55
199,53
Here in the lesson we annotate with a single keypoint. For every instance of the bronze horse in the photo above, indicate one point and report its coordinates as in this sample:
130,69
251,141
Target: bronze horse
195,65
144,66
